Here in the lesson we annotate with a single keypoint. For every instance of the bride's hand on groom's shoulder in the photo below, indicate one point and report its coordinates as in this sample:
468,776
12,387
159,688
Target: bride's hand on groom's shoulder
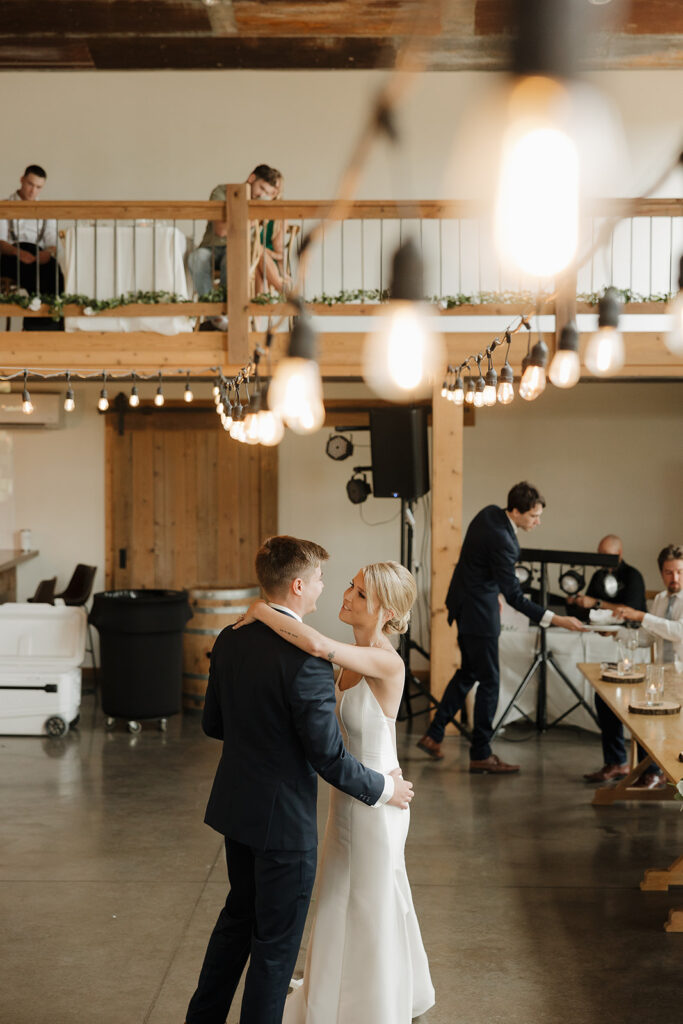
250,614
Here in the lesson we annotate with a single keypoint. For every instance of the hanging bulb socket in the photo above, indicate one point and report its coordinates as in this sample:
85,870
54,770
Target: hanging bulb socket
134,399
565,367
532,383
26,403
490,384
458,391
69,400
407,277
605,350
506,379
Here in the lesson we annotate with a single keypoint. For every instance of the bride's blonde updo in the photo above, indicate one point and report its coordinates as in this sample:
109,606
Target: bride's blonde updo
390,587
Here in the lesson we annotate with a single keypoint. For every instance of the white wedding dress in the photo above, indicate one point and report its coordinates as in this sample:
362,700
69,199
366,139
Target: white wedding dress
365,963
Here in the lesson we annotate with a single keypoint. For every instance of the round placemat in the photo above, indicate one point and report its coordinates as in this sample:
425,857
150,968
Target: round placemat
610,675
661,707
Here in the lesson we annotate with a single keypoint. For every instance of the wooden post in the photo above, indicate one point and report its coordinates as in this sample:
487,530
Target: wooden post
237,255
447,466
565,303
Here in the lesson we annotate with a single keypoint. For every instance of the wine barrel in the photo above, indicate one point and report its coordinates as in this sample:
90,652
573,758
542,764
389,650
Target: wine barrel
213,609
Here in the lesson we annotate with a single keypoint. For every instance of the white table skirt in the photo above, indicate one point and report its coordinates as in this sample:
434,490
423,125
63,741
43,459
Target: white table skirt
516,651
105,261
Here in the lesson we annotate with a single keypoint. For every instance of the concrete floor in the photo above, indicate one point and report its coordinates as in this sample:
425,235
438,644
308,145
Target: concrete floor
527,896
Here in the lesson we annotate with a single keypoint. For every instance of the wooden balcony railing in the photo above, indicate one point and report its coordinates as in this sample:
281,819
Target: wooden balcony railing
347,275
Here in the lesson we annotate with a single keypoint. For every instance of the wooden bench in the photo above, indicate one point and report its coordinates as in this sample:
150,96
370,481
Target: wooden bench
662,739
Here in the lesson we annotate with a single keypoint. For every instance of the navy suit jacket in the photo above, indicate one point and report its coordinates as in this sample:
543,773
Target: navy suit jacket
273,706
486,567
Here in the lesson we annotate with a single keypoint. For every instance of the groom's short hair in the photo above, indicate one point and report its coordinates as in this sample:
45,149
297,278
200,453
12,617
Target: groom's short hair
282,559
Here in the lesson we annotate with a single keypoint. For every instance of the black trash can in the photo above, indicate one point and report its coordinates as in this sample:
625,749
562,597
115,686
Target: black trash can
141,652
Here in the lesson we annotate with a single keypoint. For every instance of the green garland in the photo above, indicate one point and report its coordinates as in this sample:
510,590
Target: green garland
56,303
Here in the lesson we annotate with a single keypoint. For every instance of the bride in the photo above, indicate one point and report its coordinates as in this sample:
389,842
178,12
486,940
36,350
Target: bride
365,963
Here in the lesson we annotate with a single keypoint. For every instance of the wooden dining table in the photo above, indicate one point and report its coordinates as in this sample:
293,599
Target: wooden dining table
661,736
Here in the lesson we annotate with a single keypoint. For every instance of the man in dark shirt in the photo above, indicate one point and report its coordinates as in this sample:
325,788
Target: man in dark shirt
485,569
612,588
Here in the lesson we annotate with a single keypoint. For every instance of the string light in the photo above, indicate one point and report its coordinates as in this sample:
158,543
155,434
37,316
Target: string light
134,398
69,401
506,377
26,403
103,401
479,386
605,349
469,389
187,394
159,397
296,392
403,357
491,382
565,367
532,383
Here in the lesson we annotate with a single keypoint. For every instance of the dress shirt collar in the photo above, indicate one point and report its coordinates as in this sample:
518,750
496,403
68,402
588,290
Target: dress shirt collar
512,525
287,611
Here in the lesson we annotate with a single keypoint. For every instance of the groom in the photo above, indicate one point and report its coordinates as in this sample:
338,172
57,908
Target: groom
274,708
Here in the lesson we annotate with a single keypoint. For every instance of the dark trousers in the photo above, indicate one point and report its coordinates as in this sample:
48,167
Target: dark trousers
479,663
45,278
613,748
263,919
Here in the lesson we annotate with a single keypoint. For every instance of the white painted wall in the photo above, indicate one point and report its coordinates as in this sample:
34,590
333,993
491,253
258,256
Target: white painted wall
605,455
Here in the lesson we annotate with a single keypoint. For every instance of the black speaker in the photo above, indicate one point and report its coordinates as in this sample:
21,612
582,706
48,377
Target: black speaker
400,453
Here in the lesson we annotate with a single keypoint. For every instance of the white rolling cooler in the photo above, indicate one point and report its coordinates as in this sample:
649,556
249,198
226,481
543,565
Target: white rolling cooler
41,650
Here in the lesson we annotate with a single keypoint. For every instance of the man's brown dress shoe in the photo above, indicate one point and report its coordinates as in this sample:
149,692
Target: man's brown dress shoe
650,780
492,765
608,773
431,747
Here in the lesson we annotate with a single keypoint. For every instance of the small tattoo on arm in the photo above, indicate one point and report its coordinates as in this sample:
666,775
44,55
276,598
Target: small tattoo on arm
330,655
286,632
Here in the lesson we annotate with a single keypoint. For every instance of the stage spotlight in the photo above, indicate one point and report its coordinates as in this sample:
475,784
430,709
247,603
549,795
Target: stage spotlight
524,575
358,489
572,581
610,585
339,447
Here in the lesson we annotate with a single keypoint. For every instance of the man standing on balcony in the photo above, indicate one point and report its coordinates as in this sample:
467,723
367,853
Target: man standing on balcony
210,257
28,250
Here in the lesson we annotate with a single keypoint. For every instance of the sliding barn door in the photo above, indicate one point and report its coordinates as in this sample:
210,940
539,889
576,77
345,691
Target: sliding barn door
187,506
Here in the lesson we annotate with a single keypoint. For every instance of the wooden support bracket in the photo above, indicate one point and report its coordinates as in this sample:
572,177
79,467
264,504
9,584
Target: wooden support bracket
625,789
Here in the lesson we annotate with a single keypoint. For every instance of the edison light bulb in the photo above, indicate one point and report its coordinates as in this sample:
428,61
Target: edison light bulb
251,428
506,392
490,394
459,393
237,430
605,352
532,383
187,394
103,401
565,368
537,196
134,399
159,397
26,403
674,339
69,402
478,400
296,395
402,358
272,429
469,393
444,390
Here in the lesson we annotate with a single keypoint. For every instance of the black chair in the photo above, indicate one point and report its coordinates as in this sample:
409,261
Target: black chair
79,587
76,593
45,592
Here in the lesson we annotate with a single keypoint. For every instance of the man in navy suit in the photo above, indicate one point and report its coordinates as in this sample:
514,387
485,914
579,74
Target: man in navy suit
486,568
273,706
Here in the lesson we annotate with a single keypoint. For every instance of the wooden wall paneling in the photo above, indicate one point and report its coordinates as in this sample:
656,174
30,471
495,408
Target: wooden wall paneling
250,539
120,502
268,490
447,472
165,500
141,548
187,533
227,482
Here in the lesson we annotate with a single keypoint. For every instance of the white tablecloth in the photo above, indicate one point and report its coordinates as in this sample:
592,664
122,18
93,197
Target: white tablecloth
104,261
516,652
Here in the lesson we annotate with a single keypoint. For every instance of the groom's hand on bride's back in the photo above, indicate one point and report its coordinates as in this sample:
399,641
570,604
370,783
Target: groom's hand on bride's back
403,790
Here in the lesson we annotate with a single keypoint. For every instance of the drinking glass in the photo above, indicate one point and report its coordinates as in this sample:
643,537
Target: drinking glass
654,683
625,664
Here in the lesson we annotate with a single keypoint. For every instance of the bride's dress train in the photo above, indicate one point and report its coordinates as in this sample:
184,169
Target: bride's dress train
366,963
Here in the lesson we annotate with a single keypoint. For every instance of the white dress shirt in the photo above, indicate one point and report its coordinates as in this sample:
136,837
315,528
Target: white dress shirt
39,232
388,790
657,627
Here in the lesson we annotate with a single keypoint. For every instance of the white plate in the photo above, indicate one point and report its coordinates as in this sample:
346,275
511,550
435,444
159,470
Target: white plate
604,627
